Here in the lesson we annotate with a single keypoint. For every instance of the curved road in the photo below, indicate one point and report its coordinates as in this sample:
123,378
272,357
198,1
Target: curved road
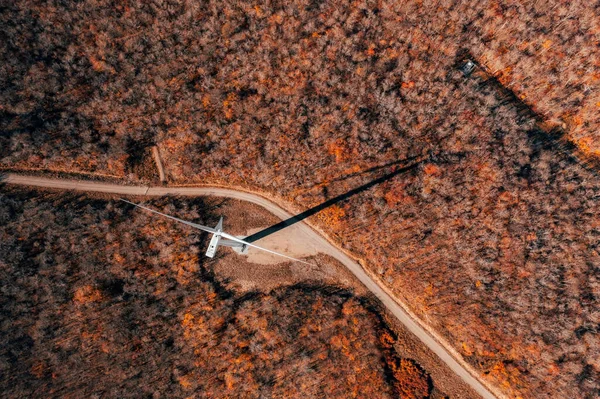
444,352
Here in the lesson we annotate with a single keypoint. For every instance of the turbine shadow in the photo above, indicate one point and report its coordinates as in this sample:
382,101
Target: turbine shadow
377,168
309,212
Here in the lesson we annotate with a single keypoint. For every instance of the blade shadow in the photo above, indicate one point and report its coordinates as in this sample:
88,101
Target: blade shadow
316,209
377,168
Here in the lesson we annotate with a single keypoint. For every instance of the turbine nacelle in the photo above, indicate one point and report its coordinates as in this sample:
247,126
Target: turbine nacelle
219,237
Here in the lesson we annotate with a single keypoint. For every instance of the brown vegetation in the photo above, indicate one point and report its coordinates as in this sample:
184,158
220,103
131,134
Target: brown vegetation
101,300
492,238
547,52
85,89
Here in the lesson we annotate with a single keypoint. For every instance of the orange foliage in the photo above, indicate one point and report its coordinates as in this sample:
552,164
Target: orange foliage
332,216
338,150
186,381
228,105
386,340
394,196
411,381
87,294
431,169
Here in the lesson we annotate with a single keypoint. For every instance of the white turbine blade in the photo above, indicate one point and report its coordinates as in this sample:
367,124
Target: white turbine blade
233,238
232,244
194,225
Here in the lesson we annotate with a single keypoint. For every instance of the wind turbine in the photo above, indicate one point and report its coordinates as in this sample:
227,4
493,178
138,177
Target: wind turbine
219,237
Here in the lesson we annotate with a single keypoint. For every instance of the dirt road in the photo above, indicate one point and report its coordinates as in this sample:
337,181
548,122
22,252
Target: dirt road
426,335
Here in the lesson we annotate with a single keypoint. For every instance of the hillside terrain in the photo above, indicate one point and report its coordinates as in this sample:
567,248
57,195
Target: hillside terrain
97,301
490,233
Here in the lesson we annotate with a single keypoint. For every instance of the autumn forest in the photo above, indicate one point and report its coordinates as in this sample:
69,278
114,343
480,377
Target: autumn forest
479,209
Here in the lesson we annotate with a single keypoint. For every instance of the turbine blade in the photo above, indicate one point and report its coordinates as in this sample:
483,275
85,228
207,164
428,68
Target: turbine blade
233,244
233,238
194,225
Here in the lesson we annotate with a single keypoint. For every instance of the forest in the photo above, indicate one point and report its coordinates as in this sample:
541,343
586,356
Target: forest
97,302
490,232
